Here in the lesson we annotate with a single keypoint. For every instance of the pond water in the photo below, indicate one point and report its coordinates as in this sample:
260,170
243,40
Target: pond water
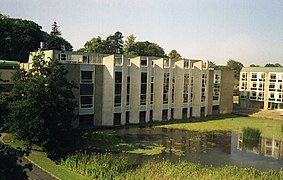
209,148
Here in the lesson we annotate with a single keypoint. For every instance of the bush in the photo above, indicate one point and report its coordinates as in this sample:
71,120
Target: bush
9,166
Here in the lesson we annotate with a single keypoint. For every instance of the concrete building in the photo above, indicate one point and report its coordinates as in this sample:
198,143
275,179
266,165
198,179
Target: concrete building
7,68
117,90
261,88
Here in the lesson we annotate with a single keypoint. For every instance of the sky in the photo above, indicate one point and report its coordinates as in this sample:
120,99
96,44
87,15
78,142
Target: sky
250,31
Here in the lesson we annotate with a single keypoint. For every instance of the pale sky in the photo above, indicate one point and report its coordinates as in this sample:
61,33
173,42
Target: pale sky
250,31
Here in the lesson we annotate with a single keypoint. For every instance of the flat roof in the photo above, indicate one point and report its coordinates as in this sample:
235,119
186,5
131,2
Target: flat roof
262,69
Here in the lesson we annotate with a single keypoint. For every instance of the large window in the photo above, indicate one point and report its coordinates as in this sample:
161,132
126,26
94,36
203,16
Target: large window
86,89
186,88
166,88
86,76
118,88
128,89
152,90
173,90
203,89
143,88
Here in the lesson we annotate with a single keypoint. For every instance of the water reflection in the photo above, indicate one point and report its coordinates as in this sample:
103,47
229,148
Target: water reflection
208,148
268,147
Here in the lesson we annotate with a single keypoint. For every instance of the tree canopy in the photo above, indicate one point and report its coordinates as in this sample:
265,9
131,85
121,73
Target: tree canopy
113,44
41,105
19,37
273,65
235,66
174,55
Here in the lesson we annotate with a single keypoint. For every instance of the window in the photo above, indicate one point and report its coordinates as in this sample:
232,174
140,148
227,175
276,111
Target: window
118,88
186,88
253,86
254,76
271,87
272,77
128,89
186,64
271,96
203,90
63,57
173,89
152,90
86,101
117,119
142,116
165,88
172,114
143,88
164,114
244,76
244,85
86,76
260,86
253,95
143,62
86,120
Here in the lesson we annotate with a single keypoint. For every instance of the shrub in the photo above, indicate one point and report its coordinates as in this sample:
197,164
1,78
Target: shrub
251,137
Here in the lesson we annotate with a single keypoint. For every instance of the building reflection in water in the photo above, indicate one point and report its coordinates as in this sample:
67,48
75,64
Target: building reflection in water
268,147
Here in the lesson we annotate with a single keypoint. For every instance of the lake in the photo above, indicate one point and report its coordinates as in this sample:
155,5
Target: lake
208,148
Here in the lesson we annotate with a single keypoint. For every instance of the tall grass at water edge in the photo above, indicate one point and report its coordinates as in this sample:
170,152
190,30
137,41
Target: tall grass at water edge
113,167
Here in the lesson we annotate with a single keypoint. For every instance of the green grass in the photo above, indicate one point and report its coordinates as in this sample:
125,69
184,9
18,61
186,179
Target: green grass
41,160
268,127
113,167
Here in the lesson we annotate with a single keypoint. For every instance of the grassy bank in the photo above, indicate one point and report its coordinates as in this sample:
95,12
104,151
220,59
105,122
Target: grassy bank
40,159
110,167
269,127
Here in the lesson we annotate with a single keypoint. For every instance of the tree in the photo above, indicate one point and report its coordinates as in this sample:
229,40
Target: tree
273,65
235,66
9,166
174,55
55,30
254,65
18,37
56,43
211,64
146,49
113,44
42,105
129,42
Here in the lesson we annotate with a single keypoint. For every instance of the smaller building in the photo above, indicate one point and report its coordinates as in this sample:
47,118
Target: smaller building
261,88
7,68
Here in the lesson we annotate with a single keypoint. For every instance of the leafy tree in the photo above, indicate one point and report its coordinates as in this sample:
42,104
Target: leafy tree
129,42
55,30
56,43
18,37
254,65
273,65
146,49
211,64
174,55
235,66
42,105
113,44
9,166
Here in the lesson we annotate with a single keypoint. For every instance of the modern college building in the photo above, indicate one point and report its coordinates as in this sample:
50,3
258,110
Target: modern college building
7,68
117,90
261,88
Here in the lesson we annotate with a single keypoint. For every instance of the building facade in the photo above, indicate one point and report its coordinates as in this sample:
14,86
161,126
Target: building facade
7,68
116,90
261,88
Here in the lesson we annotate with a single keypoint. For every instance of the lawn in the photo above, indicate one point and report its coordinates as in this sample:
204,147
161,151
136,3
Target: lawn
269,127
